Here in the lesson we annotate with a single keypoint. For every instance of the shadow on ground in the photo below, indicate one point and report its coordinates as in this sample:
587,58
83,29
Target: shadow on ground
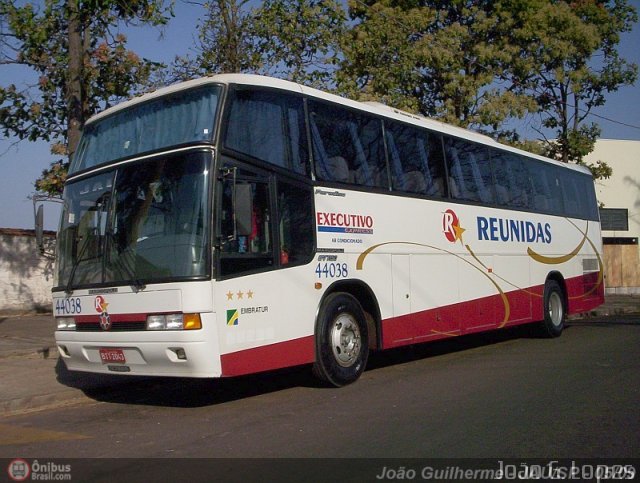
191,392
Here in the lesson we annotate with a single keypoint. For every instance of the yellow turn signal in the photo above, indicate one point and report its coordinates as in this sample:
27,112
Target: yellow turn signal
192,322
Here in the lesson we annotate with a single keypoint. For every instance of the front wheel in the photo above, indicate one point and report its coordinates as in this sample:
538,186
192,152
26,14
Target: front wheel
554,310
342,347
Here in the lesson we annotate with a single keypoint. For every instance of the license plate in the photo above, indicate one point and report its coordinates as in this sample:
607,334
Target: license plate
109,356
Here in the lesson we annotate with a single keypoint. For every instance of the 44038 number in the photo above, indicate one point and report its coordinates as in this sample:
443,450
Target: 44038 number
68,306
332,270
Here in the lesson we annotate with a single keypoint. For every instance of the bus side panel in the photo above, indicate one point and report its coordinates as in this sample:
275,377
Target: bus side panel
585,292
434,324
273,356
515,308
267,320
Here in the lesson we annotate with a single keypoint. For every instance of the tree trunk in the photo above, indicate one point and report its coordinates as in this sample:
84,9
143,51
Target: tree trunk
75,88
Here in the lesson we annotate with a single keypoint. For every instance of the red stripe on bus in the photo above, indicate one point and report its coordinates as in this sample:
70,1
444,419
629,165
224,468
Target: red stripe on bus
457,319
486,313
274,356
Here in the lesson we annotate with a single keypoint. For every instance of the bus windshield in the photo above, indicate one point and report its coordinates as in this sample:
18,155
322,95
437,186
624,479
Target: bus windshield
142,222
172,120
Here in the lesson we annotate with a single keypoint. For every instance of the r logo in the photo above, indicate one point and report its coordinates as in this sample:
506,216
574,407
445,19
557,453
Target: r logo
100,304
101,307
451,226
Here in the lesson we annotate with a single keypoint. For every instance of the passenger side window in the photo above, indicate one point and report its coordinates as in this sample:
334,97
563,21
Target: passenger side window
415,158
469,170
589,200
571,197
511,180
270,127
347,147
547,197
577,195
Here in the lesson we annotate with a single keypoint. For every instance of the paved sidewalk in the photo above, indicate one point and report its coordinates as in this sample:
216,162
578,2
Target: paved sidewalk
32,377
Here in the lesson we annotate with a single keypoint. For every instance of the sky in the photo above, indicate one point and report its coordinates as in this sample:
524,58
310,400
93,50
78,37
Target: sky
22,163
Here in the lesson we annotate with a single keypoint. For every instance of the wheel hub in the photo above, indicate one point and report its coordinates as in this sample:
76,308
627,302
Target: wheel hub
555,309
346,340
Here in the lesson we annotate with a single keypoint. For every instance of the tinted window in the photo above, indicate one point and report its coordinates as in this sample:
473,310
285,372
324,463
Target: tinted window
469,171
547,192
347,147
268,126
247,242
295,223
590,202
579,195
571,195
415,158
160,224
147,221
512,184
174,119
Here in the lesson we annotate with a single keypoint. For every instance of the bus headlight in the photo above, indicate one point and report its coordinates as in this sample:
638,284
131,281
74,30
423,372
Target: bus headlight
65,323
156,322
174,322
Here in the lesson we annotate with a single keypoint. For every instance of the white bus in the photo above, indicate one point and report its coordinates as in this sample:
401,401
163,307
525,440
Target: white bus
237,224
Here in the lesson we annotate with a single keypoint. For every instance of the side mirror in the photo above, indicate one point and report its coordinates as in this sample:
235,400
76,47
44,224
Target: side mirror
243,209
44,247
40,229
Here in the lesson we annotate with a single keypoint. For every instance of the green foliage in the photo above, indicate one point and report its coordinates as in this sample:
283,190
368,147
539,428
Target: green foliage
39,39
52,180
293,39
440,59
225,41
382,54
567,62
300,39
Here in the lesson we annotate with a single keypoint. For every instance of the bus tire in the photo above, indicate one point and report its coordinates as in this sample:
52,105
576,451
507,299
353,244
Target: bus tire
554,310
342,340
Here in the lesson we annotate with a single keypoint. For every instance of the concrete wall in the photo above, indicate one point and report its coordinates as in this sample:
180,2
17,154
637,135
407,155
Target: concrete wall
621,190
26,277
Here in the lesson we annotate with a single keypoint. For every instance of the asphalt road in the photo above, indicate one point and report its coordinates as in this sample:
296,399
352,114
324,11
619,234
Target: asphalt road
505,394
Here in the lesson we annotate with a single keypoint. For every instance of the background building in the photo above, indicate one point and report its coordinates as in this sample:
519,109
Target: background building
620,214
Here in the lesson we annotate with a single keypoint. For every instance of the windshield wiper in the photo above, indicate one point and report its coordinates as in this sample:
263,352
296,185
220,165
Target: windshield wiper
68,289
136,283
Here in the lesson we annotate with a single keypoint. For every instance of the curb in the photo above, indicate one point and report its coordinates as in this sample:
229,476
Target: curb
606,312
42,402
45,352
59,387
65,396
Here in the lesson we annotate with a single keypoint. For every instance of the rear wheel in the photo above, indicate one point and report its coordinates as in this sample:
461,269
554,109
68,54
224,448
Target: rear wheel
342,347
554,310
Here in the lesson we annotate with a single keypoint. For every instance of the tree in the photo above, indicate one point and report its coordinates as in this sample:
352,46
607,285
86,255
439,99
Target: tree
292,39
225,42
568,61
438,58
300,39
80,67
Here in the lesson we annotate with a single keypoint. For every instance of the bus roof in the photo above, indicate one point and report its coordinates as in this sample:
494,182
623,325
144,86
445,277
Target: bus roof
372,107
